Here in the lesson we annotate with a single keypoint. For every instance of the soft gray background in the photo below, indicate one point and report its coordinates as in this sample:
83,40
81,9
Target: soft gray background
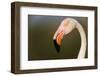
40,38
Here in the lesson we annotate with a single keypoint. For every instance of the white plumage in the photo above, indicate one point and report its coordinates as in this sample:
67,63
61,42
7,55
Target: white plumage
66,26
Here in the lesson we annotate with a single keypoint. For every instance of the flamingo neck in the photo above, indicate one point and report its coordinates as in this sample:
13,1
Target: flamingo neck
82,50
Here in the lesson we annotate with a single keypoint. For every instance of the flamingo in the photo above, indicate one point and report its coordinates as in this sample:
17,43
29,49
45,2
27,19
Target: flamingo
66,26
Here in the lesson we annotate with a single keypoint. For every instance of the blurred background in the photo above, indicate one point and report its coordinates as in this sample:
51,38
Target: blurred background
41,29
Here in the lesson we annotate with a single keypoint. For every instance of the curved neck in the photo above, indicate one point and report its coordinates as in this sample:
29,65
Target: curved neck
82,50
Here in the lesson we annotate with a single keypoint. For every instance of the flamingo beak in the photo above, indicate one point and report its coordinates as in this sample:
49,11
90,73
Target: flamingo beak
58,40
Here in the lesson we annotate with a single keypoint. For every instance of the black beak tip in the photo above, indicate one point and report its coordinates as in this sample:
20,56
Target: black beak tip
56,46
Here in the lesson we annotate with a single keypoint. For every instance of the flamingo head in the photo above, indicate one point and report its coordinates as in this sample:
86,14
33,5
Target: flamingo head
66,26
